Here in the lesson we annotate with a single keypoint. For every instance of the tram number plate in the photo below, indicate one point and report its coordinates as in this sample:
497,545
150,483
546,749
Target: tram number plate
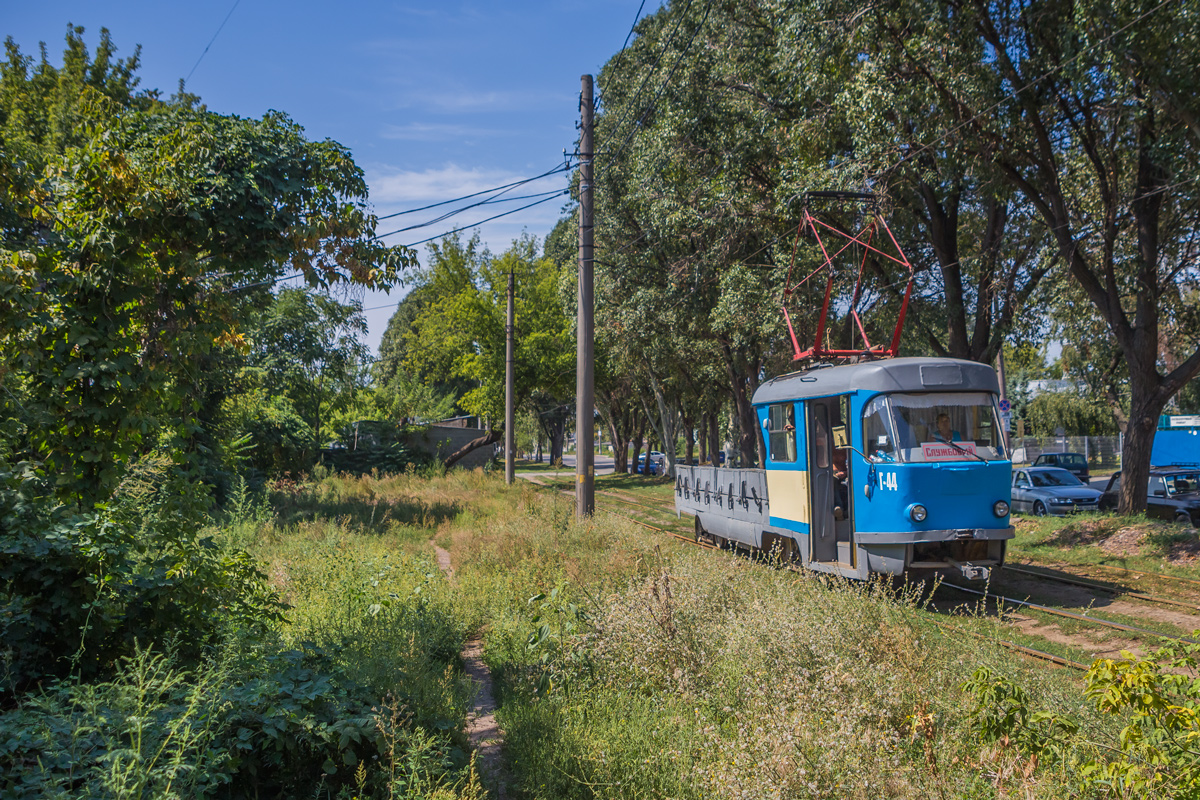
887,480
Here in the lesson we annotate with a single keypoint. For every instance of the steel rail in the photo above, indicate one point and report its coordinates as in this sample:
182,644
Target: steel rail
1020,648
1136,572
1072,615
620,499
1079,581
679,536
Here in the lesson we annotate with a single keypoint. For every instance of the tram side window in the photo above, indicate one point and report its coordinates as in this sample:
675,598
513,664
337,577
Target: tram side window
878,440
781,420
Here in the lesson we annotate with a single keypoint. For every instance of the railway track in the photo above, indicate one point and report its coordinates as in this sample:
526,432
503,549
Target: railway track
1193,582
1058,612
1001,599
1074,580
614,496
1017,648
1029,652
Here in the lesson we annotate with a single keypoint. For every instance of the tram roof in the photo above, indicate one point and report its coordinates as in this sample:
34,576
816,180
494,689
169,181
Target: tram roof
891,375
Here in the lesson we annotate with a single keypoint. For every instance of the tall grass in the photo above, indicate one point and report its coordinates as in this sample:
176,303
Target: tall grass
357,693
630,667
626,666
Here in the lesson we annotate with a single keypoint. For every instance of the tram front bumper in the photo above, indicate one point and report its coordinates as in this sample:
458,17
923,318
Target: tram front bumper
971,553
867,538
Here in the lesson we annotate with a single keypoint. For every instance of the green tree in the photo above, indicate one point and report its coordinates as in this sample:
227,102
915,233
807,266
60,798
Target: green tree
1087,111
124,260
462,330
1077,414
308,348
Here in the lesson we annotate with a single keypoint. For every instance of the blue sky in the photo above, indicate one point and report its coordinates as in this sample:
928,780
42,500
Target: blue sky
436,100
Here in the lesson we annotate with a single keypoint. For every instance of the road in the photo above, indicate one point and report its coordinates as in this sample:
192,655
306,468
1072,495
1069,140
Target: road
605,465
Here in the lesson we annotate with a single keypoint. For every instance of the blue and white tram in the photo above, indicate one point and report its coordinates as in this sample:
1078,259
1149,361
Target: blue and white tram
889,466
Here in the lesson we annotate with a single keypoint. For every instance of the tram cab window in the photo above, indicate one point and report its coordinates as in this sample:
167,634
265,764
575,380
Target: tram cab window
879,442
935,426
781,432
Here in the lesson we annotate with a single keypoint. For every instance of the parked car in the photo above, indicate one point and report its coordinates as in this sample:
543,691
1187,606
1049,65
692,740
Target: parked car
1172,493
1051,490
658,463
1074,463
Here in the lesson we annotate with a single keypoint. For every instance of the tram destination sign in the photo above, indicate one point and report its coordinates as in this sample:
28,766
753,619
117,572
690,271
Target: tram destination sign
940,451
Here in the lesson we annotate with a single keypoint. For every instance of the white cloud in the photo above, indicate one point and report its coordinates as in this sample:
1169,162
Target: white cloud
433,132
406,187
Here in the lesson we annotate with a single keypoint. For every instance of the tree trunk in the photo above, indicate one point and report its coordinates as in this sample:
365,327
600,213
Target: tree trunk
714,437
637,439
747,444
615,416
703,436
557,435
668,423
491,437
689,434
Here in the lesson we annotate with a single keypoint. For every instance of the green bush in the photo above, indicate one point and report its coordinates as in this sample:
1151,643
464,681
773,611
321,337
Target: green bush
244,723
78,591
1157,701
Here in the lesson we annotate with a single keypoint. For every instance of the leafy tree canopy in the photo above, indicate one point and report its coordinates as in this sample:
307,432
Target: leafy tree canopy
461,331
134,241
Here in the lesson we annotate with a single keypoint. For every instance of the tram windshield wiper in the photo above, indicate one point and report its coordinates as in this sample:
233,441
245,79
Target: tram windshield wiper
962,450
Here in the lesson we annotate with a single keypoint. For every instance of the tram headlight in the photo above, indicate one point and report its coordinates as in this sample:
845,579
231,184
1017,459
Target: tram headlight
917,512
1000,508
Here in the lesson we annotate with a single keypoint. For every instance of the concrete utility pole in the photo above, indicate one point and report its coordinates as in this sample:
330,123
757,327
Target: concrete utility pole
510,411
585,389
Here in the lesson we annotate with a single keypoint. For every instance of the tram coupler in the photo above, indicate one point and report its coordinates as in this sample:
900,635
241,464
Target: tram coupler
972,572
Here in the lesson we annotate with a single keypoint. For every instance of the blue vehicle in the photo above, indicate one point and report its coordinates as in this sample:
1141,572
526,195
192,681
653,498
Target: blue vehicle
894,466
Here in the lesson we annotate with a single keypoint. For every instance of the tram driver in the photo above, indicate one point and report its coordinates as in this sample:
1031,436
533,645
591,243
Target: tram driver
945,431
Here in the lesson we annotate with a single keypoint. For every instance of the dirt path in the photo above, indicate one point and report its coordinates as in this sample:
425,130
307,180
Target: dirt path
487,740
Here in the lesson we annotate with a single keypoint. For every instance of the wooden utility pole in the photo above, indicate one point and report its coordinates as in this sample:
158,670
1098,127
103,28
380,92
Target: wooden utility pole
585,389
510,412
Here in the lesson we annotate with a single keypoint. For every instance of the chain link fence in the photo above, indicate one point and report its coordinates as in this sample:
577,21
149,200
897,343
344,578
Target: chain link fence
1102,452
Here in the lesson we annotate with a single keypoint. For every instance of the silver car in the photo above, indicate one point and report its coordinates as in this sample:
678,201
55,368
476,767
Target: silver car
1051,490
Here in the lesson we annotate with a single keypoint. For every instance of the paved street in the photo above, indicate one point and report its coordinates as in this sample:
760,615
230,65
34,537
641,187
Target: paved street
604,463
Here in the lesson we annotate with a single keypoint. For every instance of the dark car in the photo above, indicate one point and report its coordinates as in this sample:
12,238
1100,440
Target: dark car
1050,490
1173,493
1074,463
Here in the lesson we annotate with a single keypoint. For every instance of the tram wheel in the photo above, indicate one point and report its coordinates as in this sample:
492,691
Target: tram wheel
699,529
1183,518
1039,509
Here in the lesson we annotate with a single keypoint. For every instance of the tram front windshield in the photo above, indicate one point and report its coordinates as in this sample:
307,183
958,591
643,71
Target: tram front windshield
932,426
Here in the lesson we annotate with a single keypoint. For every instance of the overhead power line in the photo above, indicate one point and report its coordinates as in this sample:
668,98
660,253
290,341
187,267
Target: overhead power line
482,221
1014,92
628,36
633,111
560,168
210,41
457,211
544,199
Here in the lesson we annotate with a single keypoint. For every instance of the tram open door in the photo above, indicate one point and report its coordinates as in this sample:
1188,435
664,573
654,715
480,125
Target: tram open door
831,523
